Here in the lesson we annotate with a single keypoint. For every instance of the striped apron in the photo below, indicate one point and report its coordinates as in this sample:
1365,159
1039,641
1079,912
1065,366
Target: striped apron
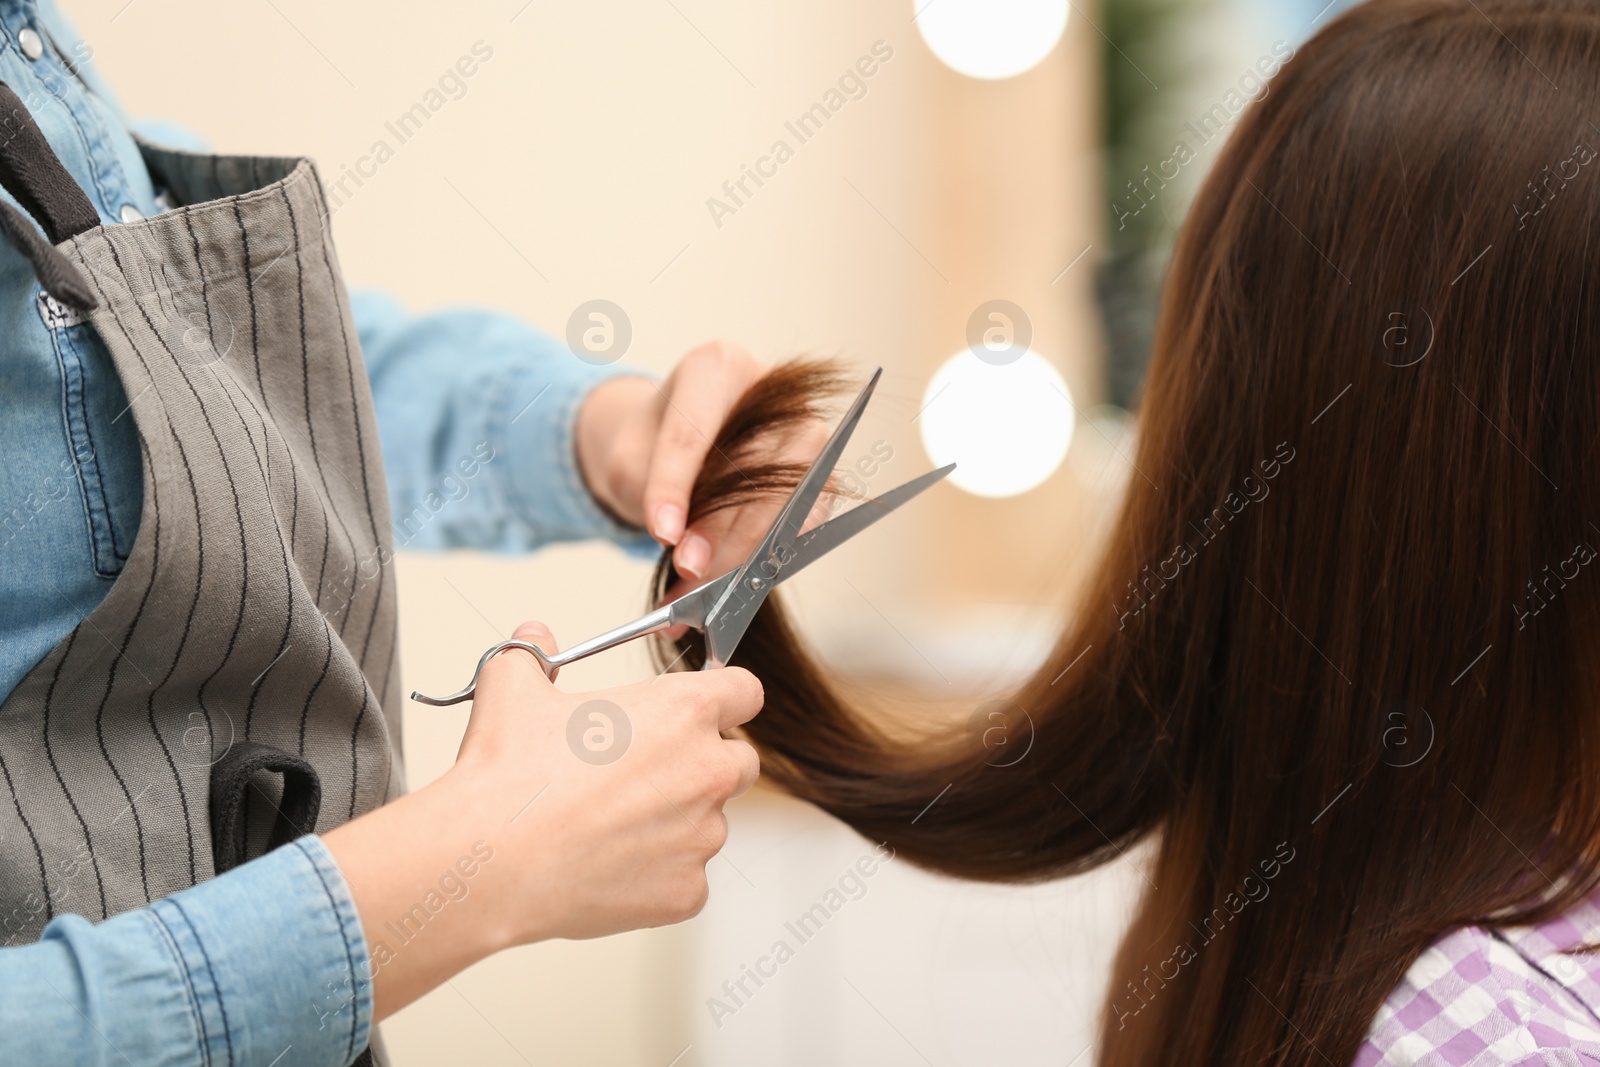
231,690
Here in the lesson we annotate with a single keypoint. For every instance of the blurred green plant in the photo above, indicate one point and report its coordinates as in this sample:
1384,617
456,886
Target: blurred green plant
1146,67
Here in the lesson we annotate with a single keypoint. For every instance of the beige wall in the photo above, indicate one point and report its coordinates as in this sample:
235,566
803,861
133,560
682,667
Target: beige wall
578,165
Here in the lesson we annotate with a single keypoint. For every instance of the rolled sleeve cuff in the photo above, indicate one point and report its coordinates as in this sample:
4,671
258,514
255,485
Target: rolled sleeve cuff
543,482
273,958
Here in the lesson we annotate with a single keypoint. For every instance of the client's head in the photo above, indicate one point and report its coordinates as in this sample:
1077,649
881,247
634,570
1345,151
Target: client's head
1347,624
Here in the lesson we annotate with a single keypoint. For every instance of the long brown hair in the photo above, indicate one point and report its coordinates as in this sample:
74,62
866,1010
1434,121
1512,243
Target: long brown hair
1339,662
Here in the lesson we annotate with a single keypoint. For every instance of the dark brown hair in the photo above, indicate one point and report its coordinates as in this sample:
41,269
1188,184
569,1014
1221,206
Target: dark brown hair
1339,661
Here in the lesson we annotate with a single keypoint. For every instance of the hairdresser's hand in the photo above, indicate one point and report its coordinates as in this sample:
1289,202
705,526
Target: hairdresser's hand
640,446
577,847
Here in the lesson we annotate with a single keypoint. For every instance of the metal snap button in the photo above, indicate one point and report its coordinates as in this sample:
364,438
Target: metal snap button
32,44
130,213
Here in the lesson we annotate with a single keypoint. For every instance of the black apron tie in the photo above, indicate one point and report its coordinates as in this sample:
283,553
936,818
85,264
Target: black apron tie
230,785
34,175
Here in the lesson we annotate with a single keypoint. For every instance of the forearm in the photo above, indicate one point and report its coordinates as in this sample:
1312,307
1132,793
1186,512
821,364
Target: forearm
477,413
238,969
422,872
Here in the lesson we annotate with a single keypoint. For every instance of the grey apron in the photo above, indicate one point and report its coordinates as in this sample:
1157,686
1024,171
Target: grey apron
231,690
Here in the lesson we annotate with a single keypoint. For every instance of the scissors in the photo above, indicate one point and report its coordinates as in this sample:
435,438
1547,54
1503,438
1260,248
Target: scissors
723,608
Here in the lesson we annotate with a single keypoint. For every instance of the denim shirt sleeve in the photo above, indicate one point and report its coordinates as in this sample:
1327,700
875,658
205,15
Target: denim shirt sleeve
265,964
476,412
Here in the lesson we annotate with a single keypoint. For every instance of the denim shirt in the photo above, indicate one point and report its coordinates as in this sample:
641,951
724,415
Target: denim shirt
475,412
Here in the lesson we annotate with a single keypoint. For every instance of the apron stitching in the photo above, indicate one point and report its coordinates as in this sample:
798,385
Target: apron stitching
223,201
372,522
150,702
305,713
311,426
250,291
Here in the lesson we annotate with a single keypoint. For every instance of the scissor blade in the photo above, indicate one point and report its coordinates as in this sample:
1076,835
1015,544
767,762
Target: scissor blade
815,544
730,616
805,496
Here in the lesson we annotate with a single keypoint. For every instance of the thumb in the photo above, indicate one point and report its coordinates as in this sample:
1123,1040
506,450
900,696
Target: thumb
534,633
504,684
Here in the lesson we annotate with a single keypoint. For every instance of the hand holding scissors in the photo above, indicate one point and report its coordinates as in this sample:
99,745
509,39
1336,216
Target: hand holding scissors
723,608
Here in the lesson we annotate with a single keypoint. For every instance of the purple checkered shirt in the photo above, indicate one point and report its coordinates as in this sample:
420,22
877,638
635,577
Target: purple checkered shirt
1485,995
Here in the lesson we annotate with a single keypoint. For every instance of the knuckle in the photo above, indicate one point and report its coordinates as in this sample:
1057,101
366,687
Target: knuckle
716,831
679,433
724,778
689,899
747,758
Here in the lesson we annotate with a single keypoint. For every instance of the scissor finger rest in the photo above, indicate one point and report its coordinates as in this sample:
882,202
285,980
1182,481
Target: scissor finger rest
545,663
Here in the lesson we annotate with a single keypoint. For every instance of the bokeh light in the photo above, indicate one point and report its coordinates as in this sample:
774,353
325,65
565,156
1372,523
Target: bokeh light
1006,428
991,38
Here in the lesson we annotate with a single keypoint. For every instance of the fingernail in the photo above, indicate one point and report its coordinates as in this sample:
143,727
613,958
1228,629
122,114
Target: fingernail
693,556
669,523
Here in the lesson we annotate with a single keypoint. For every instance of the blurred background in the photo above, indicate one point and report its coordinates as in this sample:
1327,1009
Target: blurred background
986,214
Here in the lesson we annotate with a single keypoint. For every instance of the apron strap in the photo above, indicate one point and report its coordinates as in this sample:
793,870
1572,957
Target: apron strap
34,175
230,784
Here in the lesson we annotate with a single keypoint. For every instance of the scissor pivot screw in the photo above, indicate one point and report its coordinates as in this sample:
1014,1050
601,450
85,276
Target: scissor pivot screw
757,584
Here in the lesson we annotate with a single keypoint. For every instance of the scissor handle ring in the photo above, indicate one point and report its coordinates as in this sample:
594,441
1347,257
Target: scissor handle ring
546,664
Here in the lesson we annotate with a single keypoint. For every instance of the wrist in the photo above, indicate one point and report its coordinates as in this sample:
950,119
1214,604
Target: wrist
473,850
427,897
